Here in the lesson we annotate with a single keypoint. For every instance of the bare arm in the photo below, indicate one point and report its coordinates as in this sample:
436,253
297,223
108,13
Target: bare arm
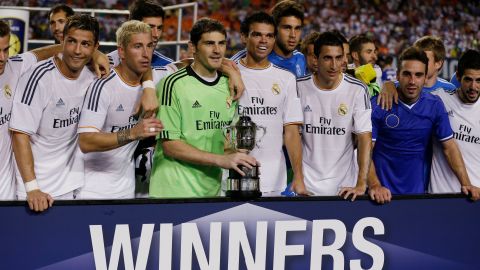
37,200
45,52
293,143
148,105
235,82
387,96
101,141
363,159
180,150
377,192
455,160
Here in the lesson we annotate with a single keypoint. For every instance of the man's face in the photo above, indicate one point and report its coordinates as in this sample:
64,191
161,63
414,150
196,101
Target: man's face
57,23
4,47
470,86
289,31
209,51
411,78
260,41
138,53
312,62
368,54
432,65
330,61
156,23
78,48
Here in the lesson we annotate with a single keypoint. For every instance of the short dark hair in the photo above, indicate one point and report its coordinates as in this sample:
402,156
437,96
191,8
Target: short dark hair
357,42
413,53
145,8
61,7
4,28
205,25
287,8
82,22
326,39
469,60
309,40
257,17
340,36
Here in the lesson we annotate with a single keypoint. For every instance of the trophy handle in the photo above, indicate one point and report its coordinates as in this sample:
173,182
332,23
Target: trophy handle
227,134
264,129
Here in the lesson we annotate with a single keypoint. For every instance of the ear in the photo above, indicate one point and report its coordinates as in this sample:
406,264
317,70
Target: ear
438,65
355,56
243,38
121,52
192,47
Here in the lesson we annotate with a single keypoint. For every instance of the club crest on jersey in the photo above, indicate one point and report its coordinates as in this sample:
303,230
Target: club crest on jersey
60,103
275,89
196,104
7,91
342,109
392,121
307,109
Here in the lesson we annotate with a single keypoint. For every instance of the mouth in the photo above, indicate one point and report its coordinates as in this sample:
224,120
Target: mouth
472,93
262,48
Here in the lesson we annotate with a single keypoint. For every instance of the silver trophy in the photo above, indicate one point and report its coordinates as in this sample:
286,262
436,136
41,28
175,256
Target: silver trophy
243,135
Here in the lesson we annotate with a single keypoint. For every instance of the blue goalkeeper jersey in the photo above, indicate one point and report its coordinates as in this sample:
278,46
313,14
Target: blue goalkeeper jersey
295,64
401,137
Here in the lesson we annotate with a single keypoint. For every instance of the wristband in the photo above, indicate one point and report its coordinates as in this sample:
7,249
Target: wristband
148,84
31,185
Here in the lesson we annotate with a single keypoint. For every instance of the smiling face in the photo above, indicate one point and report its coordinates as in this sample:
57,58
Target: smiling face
78,48
260,41
470,86
411,78
209,53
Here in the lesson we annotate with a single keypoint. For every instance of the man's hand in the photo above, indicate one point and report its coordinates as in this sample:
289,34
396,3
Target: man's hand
235,82
346,192
298,186
380,194
234,160
146,128
148,105
39,201
472,191
387,96
100,64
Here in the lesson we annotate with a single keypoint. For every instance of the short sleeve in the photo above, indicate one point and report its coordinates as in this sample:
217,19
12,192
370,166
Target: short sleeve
362,112
95,107
442,127
169,112
293,108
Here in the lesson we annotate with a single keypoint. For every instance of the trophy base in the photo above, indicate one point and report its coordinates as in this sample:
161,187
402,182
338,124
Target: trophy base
243,194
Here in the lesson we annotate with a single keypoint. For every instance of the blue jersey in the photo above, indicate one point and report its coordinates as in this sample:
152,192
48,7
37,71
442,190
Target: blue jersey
402,136
440,83
454,80
295,64
160,60
389,74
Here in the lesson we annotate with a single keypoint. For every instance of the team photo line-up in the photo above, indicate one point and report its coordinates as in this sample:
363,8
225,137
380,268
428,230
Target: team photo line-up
76,123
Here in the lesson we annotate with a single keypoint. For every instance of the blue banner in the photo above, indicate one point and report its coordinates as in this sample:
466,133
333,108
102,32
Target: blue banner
435,232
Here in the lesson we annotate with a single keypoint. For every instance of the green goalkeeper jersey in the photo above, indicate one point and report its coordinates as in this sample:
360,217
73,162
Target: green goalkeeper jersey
194,111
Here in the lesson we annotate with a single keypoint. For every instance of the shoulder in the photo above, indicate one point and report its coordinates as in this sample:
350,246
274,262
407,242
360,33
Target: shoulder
240,54
41,68
283,71
304,79
164,60
355,83
298,54
448,86
99,83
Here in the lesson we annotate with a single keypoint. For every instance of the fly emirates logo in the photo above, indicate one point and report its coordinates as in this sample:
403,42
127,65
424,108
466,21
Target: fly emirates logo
238,244
324,127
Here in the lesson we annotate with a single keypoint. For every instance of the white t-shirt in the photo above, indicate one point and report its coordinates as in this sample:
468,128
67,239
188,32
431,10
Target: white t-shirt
109,107
330,118
47,107
14,68
466,127
271,100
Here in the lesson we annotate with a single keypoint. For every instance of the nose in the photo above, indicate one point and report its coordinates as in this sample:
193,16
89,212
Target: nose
476,85
3,55
155,32
77,48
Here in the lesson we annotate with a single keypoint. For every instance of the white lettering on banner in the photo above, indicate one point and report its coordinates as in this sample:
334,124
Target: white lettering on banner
191,242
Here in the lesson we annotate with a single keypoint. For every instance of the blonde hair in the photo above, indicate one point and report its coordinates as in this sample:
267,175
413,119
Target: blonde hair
129,28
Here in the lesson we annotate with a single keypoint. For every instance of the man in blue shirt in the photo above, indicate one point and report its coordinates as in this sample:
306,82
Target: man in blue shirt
401,135
288,16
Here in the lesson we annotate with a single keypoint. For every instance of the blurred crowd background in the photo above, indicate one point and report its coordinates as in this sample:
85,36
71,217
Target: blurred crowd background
395,24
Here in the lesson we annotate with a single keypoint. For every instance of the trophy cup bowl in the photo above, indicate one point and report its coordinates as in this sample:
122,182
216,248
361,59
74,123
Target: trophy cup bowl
242,135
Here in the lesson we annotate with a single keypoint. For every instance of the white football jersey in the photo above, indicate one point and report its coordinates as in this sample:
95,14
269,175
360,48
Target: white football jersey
109,107
14,68
47,107
271,100
466,132
330,119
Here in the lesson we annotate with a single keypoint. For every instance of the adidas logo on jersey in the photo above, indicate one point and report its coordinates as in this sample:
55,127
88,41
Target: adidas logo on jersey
196,104
119,108
307,109
450,113
60,103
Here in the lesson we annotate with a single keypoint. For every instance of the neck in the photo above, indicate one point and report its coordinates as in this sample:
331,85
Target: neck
429,82
282,53
327,85
250,62
128,75
203,71
65,70
408,101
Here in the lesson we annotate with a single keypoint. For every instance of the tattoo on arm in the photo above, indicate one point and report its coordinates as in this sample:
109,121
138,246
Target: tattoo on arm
123,137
